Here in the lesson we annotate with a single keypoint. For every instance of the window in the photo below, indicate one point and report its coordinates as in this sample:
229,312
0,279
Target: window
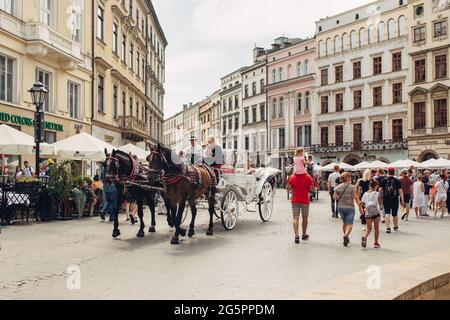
230,124
420,70
100,94
339,73
299,102
115,39
224,128
324,76
419,116
262,84
100,23
397,93
73,100
420,34
115,101
299,69
440,28
274,76
391,29
131,57
357,99
282,139
262,109
397,130
124,48
324,104
307,99
9,6
138,64
377,65
246,117
300,136
124,103
246,91
324,136
46,11
397,61
339,131
357,136
274,109
307,136
440,63
131,106
357,70
306,66
440,113
381,32
254,114
280,74
281,110
254,88
236,102
45,78
339,102
236,124
247,143
377,96
378,131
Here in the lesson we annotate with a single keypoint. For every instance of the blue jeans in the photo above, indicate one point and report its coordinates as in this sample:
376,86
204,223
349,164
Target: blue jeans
334,203
108,206
347,215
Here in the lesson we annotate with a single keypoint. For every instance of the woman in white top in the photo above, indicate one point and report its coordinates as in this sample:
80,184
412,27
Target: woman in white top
419,196
441,195
372,201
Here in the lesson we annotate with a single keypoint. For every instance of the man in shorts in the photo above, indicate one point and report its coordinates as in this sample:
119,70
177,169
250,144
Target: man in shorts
393,197
301,186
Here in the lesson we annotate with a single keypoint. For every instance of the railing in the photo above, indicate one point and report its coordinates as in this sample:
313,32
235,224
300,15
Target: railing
440,130
419,132
362,146
133,124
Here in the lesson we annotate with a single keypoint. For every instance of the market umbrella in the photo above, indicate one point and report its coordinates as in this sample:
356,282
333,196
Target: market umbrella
426,164
379,165
15,142
362,166
439,164
344,166
140,153
404,164
82,146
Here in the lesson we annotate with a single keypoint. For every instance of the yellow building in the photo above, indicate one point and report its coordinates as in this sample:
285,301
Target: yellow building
47,41
129,50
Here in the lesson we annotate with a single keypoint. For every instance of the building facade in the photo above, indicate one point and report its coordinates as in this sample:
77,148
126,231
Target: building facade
127,87
254,116
44,42
191,120
174,132
361,85
429,82
215,117
205,122
290,92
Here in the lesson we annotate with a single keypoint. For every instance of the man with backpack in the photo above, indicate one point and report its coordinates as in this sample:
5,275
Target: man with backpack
391,190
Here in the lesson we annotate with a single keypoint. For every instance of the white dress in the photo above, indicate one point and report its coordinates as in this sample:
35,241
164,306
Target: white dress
419,195
441,191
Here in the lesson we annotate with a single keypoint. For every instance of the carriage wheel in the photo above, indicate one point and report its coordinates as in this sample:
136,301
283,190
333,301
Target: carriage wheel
230,210
266,202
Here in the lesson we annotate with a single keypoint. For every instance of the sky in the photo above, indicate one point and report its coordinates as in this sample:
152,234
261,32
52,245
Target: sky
209,39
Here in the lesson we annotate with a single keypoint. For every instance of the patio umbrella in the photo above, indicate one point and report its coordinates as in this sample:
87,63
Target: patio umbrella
362,166
426,164
82,146
404,164
344,166
379,165
439,164
140,153
15,142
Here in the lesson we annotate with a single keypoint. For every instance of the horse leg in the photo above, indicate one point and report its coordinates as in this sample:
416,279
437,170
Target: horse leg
212,209
194,215
177,213
140,203
170,220
116,231
151,204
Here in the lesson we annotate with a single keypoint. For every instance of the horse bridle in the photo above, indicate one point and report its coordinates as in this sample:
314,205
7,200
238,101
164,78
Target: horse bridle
162,158
117,163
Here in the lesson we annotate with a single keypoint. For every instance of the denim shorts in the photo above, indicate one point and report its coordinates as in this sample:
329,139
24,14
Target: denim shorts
347,215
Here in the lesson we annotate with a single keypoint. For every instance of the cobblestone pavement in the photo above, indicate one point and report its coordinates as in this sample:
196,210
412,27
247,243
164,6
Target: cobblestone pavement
255,261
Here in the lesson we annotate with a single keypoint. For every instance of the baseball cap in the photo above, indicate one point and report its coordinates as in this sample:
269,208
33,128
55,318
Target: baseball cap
391,170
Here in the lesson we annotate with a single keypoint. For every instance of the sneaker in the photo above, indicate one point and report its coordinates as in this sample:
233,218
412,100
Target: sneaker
305,237
364,242
346,241
377,246
297,240
384,221
404,217
396,228
388,230
102,216
133,220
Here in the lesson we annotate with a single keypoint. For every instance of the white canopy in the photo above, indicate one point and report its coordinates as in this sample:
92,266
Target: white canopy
135,151
82,146
437,164
362,166
344,166
404,164
426,164
15,142
378,165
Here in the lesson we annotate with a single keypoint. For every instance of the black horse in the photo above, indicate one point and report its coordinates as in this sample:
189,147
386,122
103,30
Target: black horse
183,184
131,177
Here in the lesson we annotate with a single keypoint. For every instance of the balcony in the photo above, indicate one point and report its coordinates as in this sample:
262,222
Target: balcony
440,130
133,129
361,146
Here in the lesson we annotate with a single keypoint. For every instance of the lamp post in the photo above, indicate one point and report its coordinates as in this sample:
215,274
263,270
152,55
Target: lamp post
38,95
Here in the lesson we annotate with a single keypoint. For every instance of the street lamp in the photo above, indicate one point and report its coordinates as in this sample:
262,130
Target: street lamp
38,95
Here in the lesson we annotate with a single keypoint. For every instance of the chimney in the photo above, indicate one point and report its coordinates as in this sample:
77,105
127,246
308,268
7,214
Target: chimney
257,52
185,106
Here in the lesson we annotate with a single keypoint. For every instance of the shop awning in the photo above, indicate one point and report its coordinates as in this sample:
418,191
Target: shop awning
82,146
16,143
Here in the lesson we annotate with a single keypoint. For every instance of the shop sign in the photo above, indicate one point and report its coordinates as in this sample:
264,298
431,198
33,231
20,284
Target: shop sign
28,122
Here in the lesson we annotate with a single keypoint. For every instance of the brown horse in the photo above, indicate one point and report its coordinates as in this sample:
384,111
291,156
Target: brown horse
183,183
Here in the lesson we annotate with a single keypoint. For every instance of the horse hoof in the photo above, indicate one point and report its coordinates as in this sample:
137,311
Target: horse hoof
175,241
210,233
141,234
152,230
116,233
183,232
191,233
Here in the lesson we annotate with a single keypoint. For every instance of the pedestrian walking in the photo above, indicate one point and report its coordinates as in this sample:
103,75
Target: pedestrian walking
426,183
419,196
441,187
301,186
110,205
346,198
393,197
370,207
407,187
380,176
332,184
362,186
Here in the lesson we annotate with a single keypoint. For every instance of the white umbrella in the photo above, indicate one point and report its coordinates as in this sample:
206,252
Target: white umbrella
439,164
318,168
404,164
362,166
82,146
15,142
140,153
344,166
379,165
426,164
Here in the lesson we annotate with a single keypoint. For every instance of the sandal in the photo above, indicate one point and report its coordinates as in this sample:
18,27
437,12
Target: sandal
297,240
377,246
364,242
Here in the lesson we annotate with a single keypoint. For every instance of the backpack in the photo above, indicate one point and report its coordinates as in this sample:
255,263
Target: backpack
390,190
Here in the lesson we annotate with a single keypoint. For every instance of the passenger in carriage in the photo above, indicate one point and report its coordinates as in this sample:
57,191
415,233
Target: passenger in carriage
214,154
194,153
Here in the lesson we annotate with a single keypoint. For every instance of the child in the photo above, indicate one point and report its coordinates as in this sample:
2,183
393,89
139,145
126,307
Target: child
370,207
300,162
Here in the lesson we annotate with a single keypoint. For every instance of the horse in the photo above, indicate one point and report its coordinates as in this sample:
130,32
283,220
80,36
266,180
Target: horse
122,168
183,183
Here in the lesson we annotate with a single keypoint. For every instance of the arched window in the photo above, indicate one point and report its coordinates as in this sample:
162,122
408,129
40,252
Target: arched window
329,46
289,70
362,37
274,76
281,110
299,69
381,32
306,66
336,45
402,25
307,102
280,74
372,34
391,29
353,39
322,51
344,42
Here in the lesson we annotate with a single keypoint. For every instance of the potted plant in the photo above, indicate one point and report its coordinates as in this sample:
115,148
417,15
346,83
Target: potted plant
60,185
